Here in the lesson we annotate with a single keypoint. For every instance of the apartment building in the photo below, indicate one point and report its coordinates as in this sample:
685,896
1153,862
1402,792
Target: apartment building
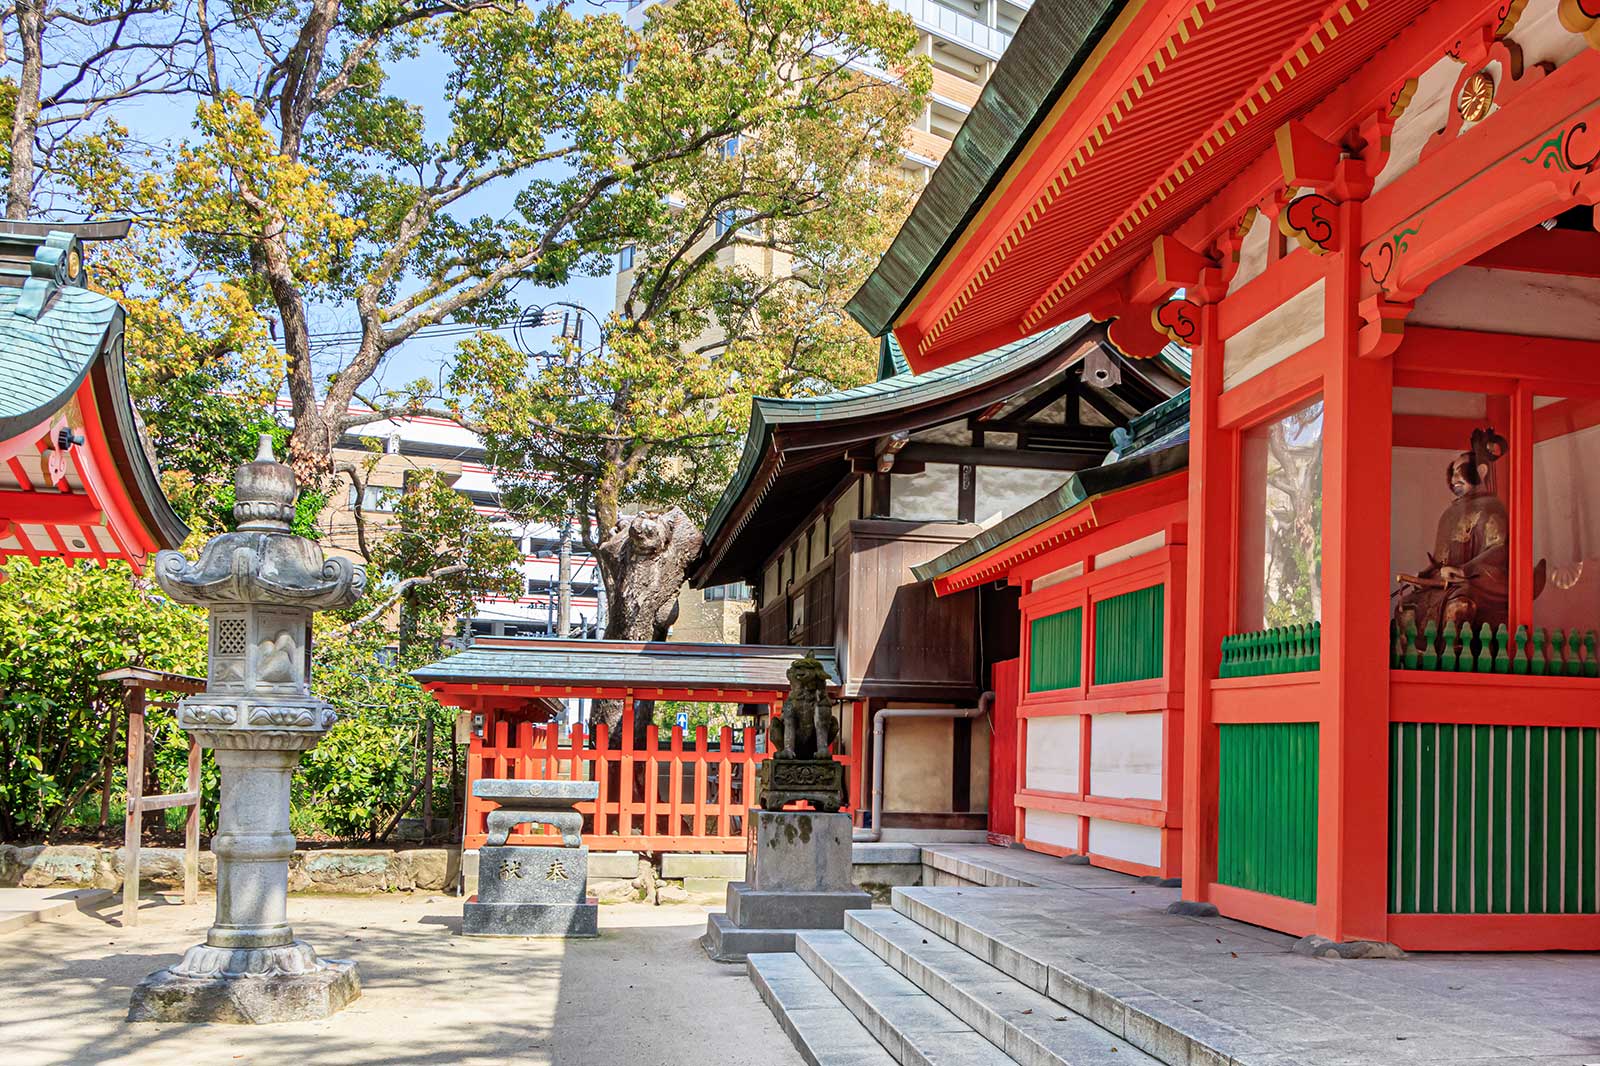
386,451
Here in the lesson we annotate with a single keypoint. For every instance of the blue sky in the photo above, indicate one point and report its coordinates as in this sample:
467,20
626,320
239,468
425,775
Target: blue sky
420,80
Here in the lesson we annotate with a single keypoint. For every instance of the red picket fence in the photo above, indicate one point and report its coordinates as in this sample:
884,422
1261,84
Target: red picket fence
638,808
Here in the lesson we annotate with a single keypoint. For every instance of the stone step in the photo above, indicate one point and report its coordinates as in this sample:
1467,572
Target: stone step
1033,1029
914,1028
823,1029
1171,1032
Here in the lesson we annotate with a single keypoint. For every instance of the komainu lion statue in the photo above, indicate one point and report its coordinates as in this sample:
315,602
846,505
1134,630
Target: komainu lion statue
809,727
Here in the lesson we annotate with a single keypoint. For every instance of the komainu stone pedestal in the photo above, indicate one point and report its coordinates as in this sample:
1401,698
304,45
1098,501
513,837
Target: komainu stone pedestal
797,872
531,891
272,994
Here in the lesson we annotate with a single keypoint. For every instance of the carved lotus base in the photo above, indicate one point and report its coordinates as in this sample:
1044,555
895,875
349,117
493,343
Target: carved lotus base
247,986
820,782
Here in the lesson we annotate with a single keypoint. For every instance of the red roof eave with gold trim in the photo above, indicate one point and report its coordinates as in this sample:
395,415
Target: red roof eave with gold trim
1182,98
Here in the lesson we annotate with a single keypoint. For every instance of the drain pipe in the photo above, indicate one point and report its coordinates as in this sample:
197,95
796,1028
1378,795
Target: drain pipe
879,720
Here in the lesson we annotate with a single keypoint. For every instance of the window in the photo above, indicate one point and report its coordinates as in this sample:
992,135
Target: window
725,220
377,498
625,258
1280,529
730,147
738,590
1566,513
1449,525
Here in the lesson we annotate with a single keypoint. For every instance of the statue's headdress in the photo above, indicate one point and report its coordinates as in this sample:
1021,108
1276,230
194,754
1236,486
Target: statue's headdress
1486,449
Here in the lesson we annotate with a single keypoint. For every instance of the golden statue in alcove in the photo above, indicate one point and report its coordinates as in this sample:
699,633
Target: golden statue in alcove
1465,581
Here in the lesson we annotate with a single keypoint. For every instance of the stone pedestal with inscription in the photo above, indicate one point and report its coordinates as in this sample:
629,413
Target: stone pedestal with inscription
257,714
533,890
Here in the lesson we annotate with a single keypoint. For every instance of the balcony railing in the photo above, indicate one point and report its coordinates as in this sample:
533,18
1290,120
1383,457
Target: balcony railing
1566,653
952,25
1279,650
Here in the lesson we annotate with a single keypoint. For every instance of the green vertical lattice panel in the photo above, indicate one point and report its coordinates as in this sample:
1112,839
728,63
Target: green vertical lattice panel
1055,651
1267,809
1493,819
1128,636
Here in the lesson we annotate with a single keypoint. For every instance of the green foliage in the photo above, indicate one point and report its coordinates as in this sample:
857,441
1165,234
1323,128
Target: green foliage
353,784
711,715
758,183
438,555
61,626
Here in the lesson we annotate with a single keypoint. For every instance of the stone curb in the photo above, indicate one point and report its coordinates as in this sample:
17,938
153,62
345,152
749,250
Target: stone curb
346,871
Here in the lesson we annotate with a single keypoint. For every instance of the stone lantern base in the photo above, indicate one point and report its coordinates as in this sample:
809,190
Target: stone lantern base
247,986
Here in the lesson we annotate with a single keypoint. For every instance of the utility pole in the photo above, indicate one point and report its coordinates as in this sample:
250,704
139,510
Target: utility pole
564,580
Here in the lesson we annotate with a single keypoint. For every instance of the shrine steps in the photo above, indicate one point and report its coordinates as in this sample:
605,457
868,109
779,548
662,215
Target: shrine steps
923,1000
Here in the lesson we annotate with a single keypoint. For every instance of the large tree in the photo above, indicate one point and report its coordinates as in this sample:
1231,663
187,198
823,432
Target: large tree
745,248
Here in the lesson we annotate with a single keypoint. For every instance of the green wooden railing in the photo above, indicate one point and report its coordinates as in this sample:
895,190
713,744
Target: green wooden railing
1281,650
1055,651
1493,819
1566,653
1128,636
1267,808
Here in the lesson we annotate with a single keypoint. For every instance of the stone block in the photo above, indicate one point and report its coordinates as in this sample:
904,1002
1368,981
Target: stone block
542,875
66,865
801,851
885,852
427,869
726,942
339,871
570,920
680,865
253,1000
705,886
751,908
621,865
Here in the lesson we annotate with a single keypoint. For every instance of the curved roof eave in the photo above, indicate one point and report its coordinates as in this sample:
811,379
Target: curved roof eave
1050,47
874,400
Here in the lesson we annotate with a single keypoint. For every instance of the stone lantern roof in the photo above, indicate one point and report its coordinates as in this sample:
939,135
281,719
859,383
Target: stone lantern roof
262,562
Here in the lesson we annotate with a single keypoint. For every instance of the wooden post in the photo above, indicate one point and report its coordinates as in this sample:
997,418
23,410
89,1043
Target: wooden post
191,827
427,779
1206,604
133,821
1353,801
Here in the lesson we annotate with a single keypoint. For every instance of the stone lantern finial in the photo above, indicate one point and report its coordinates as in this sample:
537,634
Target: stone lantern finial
261,585
264,491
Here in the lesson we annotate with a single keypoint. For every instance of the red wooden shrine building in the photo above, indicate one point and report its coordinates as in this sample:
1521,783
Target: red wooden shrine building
1373,222
76,480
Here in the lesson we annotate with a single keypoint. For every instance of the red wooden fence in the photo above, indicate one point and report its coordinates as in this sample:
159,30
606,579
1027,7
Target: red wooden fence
672,798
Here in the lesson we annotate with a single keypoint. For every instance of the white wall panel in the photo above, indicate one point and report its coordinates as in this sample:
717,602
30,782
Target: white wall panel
1125,756
1053,753
1119,840
1052,827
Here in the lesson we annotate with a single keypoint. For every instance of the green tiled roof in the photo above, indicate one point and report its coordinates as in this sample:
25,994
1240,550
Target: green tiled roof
1050,47
865,402
44,360
1155,444
619,663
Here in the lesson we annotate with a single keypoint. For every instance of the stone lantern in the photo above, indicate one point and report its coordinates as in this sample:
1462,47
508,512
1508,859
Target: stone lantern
261,585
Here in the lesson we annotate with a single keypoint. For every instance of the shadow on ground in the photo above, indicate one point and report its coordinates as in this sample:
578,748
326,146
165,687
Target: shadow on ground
642,993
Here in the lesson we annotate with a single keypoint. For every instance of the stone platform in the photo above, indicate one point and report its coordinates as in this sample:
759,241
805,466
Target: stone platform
1075,965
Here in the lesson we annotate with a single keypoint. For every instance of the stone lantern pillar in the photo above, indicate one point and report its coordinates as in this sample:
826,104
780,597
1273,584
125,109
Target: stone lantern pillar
261,585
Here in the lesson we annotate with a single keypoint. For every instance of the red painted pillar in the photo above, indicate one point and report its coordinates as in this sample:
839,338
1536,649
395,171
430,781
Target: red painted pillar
1358,432
1206,605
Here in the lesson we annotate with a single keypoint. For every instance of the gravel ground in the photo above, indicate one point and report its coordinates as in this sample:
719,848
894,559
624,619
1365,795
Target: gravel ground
644,993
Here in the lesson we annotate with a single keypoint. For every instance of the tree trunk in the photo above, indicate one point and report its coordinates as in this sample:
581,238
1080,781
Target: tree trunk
25,119
644,562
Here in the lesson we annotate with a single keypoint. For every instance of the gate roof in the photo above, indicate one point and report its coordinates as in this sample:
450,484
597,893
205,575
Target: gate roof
583,666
